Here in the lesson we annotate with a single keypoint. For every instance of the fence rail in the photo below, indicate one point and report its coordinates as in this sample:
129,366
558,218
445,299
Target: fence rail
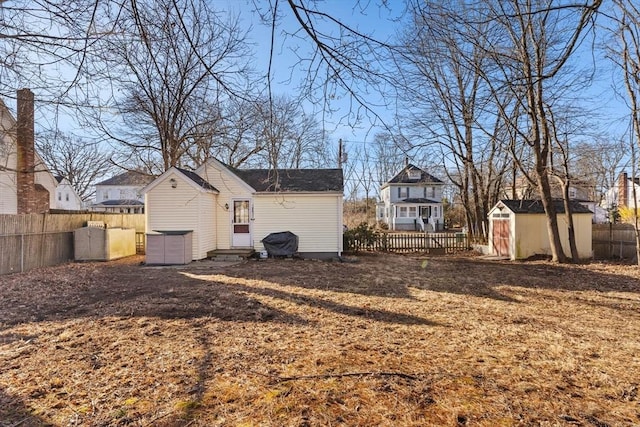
434,243
40,240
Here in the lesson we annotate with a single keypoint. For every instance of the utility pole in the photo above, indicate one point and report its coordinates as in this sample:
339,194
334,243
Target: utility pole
340,153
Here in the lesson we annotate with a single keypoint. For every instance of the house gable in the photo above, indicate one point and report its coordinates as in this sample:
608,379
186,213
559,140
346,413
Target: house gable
188,177
223,177
412,175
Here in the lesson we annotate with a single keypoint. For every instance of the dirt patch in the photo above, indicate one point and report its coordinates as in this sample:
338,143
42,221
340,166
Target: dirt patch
388,340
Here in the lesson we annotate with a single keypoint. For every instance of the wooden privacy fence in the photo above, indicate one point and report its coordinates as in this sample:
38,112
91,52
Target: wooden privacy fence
433,243
613,241
40,240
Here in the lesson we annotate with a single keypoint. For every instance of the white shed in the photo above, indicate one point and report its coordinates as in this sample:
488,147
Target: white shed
518,229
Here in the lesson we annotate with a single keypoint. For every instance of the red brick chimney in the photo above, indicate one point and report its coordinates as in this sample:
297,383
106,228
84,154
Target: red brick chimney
32,198
623,189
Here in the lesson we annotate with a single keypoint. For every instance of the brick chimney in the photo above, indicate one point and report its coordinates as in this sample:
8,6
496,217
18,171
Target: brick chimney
32,198
623,189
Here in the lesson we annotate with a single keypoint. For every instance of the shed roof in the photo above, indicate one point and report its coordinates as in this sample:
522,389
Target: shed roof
535,206
292,180
403,176
128,178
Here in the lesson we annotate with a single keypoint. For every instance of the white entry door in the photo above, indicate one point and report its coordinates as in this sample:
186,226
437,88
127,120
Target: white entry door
241,224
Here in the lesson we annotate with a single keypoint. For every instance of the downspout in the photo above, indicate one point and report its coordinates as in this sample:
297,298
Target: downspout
340,227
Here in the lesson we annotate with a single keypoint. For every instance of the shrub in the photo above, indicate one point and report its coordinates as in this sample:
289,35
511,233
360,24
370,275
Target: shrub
362,236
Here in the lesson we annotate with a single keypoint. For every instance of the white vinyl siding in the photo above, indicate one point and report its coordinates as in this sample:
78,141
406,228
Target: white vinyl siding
230,187
8,198
315,218
182,208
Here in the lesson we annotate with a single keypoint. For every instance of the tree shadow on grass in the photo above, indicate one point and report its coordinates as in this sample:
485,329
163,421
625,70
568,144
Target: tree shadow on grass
268,289
104,290
13,412
393,276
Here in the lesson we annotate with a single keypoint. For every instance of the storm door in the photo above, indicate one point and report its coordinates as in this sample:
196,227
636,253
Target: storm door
241,224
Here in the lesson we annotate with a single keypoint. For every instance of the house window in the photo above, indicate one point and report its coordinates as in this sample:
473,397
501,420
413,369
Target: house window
59,196
424,192
105,195
572,193
412,212
415,174
402,212
123,194
433,191
66,196
403,192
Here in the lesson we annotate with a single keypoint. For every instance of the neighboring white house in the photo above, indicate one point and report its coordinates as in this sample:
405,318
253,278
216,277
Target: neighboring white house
26,185
579,191
411,200
621,195
122,193
66,197
518,229
228,208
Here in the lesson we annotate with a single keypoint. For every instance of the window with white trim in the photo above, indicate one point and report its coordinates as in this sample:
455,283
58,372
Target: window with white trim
402,212
413,212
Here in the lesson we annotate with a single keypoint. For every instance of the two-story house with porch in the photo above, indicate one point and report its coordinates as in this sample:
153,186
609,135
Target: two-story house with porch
411,200
122,193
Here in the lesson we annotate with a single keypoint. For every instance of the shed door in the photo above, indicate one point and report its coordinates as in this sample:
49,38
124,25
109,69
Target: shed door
241,224
501,237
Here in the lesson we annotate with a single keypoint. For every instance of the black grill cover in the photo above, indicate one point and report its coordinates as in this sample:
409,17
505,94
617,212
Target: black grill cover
284,243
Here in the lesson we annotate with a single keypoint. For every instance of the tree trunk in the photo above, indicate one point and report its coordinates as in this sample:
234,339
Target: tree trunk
568,211
557,254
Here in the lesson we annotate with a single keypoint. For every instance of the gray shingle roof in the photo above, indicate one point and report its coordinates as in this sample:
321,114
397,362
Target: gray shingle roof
535,206
120,202
128,178
197,179
403,176
292,180
418,200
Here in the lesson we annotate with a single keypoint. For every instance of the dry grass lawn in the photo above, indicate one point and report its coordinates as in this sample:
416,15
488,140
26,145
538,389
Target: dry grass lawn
388,340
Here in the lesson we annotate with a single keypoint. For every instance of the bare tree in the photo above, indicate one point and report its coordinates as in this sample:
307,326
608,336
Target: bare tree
174,62
597,162
539,39
81,162
289,137
443,67
626,55
42,42
389,153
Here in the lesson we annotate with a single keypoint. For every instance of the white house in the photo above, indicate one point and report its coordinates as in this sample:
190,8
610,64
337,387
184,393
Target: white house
579,191
67,198
411,200
26,185
621,194
122,193
228,208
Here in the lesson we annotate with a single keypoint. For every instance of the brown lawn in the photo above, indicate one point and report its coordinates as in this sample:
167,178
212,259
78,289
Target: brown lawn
389,340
